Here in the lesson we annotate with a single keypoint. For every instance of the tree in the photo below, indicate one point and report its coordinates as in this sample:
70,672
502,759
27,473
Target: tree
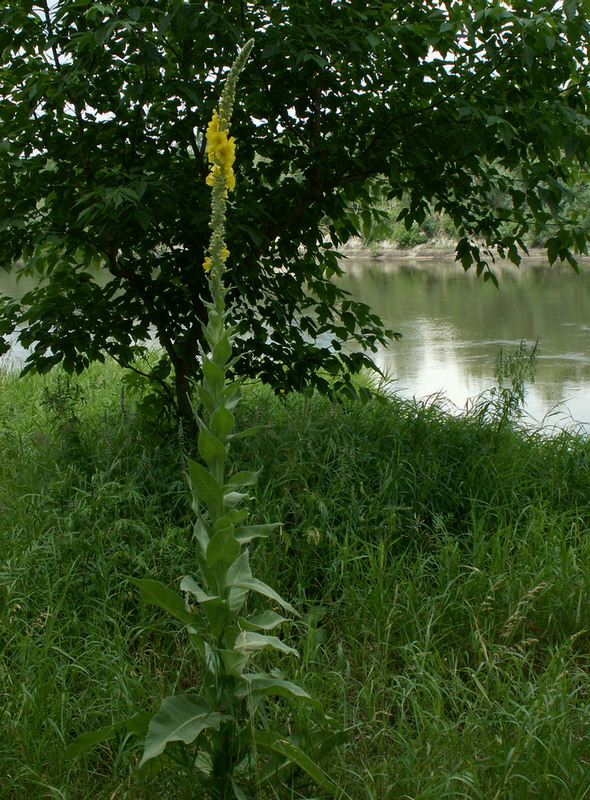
475,109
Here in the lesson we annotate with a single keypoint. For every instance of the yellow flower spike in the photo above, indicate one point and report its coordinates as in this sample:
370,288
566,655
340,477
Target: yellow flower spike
220,150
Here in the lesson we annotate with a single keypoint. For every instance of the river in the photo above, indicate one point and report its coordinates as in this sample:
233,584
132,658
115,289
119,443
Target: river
453,325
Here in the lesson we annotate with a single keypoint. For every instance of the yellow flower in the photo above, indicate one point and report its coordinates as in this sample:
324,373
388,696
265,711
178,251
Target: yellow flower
225,151
220,149
224,253
207,263
213,126
211,177
221,152
215,141
230,178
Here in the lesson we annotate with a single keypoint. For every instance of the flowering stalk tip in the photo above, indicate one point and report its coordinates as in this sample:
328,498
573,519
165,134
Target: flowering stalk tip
221,154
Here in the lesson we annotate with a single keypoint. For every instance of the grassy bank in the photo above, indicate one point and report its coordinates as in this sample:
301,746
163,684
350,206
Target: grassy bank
441,566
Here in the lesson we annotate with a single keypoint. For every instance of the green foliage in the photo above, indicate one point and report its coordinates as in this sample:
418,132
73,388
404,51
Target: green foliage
388,220
477,112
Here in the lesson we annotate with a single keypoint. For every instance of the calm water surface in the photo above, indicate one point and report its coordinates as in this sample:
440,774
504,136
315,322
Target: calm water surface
453,326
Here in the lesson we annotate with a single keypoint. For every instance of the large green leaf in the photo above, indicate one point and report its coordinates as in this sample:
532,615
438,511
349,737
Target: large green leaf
318,744
249,641
278,745
156,594
221,422
237,598
232,499
255,585
206,398
211,449
190,585
240,575
222,550
246,533
241,479
240,569
262,684
202,532
217,609
222,350
231,517
180,718
265,621
207,488
231,395
214,376
234,663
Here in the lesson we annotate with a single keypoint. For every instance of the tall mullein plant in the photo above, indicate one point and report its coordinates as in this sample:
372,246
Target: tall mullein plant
217,728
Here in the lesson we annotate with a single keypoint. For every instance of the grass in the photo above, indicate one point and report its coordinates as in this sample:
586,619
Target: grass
441,565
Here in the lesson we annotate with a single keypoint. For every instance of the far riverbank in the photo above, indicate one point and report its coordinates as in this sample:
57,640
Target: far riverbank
436,250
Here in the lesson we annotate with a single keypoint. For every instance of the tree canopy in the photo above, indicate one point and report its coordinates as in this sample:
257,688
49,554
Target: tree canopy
475,109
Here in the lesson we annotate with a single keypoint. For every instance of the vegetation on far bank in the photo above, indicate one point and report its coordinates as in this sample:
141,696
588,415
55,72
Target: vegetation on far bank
388,225
440,564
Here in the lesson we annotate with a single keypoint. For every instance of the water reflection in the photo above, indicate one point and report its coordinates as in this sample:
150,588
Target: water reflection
453,326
